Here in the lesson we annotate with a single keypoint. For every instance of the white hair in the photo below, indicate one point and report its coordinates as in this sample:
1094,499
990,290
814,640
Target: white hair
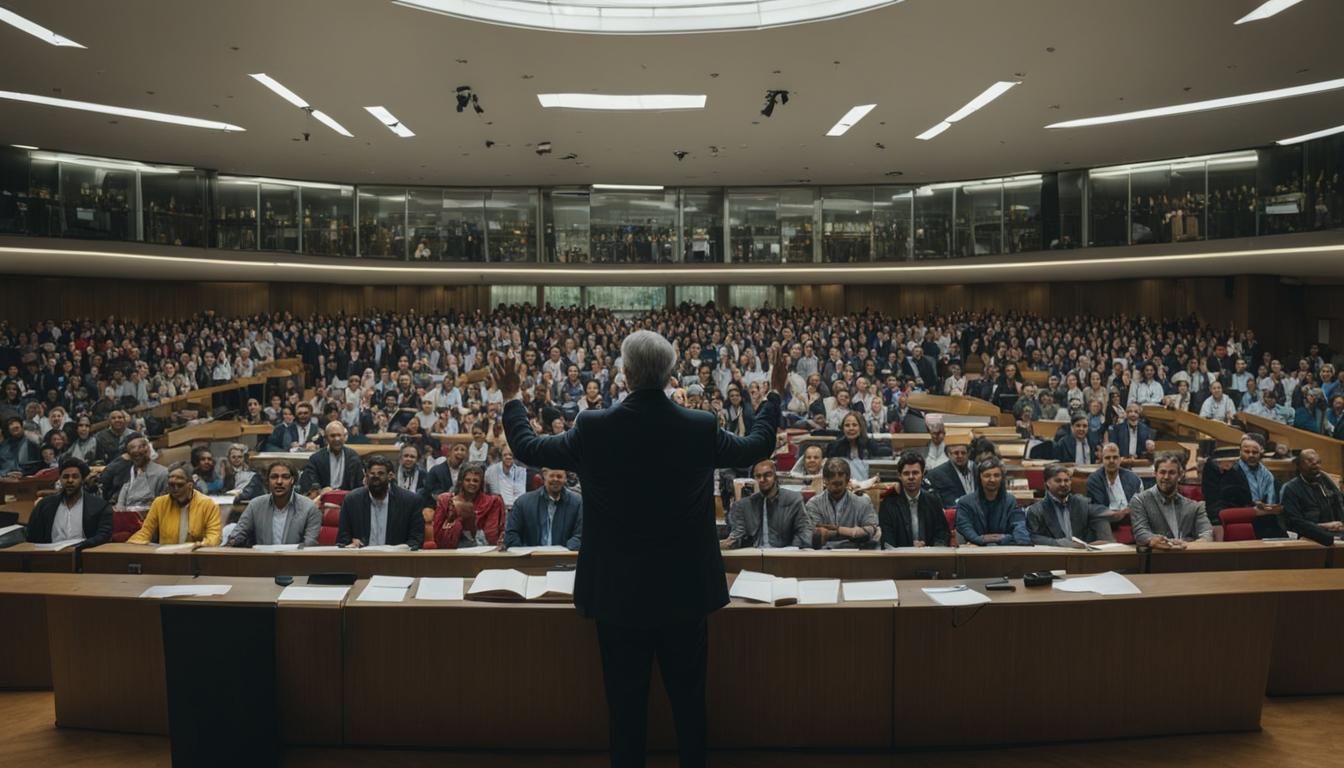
648,360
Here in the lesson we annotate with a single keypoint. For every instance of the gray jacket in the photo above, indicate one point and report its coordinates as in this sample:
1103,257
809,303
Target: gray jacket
1147,515
788,524
254,527
1088,521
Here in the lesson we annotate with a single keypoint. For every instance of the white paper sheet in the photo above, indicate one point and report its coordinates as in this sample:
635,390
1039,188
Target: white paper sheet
818,591
548,549
57,546
440,589
321,548
499,579
863,591
395,582
1108,583
169,549
187,590
372,594
10,529
275,547
386,548
560,581
1112,546
296,593
946,596
481,550
225,500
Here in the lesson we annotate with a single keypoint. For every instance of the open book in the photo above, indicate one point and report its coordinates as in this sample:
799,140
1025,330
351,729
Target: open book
764,588
510,584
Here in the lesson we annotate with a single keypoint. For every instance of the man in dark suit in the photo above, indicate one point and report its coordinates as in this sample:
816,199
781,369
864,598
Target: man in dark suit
909,515
333,468
1312,504
301,434
650,570
1248,483
777,512
954,478
72,513
1132,435
919,369
987,386
1064,518
381,513
552,515
1078,445
442,477
1113,486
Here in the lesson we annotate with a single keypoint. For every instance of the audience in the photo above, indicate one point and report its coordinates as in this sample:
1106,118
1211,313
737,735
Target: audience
769,518
910,516
381,514
1312,505
468,515
279,517
549,516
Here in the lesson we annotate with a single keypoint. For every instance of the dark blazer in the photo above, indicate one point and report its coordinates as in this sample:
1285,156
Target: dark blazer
316,473
924,368
1087,519
523,528
944,482
1099,493
1066,447
97,520
650,554
1304,512
405,521
440,479
285,435
893,515
1120,436
1235,490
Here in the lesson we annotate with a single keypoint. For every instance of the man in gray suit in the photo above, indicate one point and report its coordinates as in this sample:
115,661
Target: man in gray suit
786,523
279,517
1164,519
1064,518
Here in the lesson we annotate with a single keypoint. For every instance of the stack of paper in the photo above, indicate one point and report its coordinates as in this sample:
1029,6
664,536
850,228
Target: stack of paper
764,588
187,590
957,595
865,591
1108,583
169,549
57,546
297,594
275,547
510,584
385,589
440,589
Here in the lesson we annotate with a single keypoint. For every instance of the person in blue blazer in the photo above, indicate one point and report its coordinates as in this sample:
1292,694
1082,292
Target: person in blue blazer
1133,425
1067,447
1099,483
527,523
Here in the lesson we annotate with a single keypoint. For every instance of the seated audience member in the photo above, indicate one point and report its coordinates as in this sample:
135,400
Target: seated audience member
182,515
334,467
991,516
409,474
203,473
1079,445
19,455
506,478
1312,505
953,479
442,477
381,514
244,481
935,453
479,450
1063,518
280,516
854,446
809,462
1269,407
1164,519
134,482
1248,482
839,517
1217,406
910,516
771,517
468,515
71,513
301,434
549,516
1181,400
1147,390
1113,486
1132,435
84,446
112,437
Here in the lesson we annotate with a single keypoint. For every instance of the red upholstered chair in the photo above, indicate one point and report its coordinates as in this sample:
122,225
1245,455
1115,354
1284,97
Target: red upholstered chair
534,481
1191,492
1124,533
785,460
1238,523
1036,479
951,514
330,504
124,525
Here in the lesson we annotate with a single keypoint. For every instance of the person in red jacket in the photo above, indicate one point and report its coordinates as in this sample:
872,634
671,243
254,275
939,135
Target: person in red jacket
468,516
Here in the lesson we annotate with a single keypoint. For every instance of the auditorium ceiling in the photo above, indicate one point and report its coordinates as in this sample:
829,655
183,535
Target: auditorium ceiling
918,61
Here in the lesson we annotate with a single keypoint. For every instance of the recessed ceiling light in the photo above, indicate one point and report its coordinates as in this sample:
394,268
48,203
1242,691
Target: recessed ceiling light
851,118
986,96
1270,8
1204,106
106,109
620,102
100,162
36,30
1310,136
327,120
631,187
388,119
280,90
23,146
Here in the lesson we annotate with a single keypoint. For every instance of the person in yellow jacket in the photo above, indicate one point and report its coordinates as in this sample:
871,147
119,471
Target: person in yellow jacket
182,504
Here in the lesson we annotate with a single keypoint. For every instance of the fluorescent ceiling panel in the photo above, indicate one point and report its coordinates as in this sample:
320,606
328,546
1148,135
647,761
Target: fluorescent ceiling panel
630,102
1205,106
974,105
1270,8
279,89
850,119
390,120
1313,135
36,30
631,187
107,109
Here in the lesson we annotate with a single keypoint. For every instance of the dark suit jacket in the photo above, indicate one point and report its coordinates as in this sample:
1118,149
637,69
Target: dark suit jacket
97,520
1087,520
1304,512
523,528
925,370
944,482
1097,488
650,551
440,480
893,515
317,472
1120,436
405,521
285,435
1066,447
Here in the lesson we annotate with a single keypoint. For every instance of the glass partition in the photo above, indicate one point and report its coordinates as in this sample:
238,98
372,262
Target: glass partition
797,218
1233,203
1022,214
235,214
425,214
979,222
461,228
702,225
562,295
750,296
29,204
634,227
627,298
847,224
279,217
1283,202
174,208
753,221
893,208
511,224
933,222
1325,182
97,202
382,222
695,294
1072,185
1108,207
513,294
328,216
566,218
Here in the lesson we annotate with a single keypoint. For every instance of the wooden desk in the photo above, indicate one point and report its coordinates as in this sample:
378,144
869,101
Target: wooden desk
1238,556
859,565
25,658
550,652
23,508
1186,424
993,562
1331,450
25,488
28,558
223,561
128,558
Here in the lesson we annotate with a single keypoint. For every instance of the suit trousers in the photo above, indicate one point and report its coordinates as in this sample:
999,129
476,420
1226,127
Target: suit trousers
627,660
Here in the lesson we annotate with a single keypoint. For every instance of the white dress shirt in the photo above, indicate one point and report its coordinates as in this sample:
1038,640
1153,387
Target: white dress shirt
69,522
378,520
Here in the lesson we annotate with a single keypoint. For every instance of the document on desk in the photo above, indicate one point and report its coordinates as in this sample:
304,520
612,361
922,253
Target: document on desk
188,590
169,549
548,549
1108,583
867,591
275,547
481,550
1111,546
818,591
224,500
764,588
440,589
57,546
297,594
321,548
511,584
386,548
391,582
954,596
376,594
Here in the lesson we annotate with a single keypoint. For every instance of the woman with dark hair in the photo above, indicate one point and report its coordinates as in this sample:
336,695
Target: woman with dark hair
853,445
738,412
468,516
